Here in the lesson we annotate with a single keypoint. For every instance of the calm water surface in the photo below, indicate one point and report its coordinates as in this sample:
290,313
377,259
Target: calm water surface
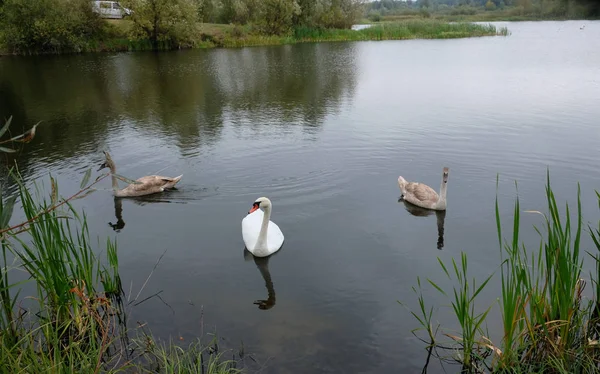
323,130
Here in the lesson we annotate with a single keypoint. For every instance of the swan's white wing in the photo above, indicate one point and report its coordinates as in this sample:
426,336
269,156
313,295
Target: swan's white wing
274,237
251,228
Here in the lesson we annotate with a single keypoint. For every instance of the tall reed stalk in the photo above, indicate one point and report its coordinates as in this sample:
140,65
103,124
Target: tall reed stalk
547,325
77,322
70,324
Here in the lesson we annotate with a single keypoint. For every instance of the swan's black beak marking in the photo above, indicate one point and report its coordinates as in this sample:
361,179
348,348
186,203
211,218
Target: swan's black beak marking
255,206
102,166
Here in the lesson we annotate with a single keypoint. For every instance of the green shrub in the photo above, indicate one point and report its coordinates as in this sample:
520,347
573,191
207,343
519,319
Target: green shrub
48,26
374,16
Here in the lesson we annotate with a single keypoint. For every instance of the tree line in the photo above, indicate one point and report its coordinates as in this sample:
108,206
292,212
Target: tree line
541,8
28,26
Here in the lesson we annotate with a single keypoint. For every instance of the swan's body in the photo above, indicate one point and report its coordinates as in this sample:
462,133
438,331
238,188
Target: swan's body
424,196
145,185
261,236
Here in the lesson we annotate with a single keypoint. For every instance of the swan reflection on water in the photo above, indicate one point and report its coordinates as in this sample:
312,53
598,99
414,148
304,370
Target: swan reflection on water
421,212
142,200
119,215
262,263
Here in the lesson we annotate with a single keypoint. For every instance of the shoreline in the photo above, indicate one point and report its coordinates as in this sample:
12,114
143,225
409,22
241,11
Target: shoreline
230,36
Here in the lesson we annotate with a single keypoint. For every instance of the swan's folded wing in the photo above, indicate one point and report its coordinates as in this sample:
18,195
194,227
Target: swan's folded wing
274,237
146,184
251,228
422,192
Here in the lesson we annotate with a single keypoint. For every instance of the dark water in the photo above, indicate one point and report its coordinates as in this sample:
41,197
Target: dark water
323,130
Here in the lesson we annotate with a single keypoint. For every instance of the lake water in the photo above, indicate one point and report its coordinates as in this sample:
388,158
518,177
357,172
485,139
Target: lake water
324,131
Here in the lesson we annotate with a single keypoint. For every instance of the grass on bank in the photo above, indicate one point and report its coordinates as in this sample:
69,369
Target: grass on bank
219,35
548,325
212,35
75,321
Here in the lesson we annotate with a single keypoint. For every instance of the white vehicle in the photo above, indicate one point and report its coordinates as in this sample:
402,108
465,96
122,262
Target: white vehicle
110,9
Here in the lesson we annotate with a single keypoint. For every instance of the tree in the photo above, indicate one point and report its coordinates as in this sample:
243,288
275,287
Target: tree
278,15
525,4
234,11
307,15
164,22
341,14
208,10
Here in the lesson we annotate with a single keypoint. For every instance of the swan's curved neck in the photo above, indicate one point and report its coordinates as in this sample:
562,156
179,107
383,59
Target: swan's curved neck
443,188
113,171
262,236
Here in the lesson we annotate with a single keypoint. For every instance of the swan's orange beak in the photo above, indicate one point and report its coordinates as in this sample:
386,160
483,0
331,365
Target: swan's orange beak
254,207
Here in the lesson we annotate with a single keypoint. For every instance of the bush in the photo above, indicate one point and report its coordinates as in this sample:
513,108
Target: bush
374,16
490,5
48,26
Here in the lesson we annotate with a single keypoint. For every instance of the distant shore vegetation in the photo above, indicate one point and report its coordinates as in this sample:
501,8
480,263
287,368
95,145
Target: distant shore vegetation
72,26
482,10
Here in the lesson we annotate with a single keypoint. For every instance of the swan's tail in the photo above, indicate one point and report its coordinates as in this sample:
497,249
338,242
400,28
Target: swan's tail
172,181
402,184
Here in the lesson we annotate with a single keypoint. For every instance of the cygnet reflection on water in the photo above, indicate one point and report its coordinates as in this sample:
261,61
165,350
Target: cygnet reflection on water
422,212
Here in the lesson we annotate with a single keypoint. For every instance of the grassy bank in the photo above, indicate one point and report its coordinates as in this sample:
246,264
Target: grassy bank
413,29
547,323
213,35
218,35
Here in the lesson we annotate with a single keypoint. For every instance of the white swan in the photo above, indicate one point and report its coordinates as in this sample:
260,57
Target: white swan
424,196
261,236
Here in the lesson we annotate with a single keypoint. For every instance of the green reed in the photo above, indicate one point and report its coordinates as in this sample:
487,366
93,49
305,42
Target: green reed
547,324
76,320
409,29
197,357
69,323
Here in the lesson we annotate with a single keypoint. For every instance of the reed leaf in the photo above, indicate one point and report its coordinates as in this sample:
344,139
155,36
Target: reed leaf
86,178
7,150
6,126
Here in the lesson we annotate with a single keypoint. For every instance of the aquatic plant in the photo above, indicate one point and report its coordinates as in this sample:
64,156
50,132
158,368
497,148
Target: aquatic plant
76,320
547,324
69,323
197,357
